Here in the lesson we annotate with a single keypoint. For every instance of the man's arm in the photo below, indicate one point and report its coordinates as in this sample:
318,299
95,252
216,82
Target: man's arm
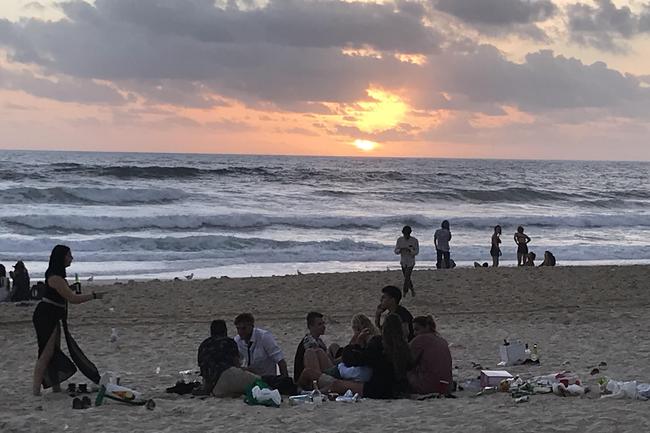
378,312
275,353
416,250
282,365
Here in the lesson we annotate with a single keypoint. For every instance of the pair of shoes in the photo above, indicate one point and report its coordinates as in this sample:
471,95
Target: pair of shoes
81,403
74,389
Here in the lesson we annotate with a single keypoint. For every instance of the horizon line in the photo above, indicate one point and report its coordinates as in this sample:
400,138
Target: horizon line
297,155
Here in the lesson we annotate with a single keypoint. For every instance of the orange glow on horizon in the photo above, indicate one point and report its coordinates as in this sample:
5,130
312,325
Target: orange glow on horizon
365,145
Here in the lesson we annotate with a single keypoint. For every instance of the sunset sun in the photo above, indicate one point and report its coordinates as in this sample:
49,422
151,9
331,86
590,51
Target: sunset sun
365,145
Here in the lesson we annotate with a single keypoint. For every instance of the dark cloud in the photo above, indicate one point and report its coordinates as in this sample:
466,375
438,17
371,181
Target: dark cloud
287,56
63,89
605,25
502,16
544,82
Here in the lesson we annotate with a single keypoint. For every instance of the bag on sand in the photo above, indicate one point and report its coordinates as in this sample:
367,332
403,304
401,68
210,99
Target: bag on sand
259,393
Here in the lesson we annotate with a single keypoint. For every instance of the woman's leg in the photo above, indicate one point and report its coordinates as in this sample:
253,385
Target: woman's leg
438,259
447,261
44,360
317,359
495,261
341,386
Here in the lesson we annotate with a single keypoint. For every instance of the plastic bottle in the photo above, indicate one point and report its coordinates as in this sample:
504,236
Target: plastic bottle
113,335
77,284
316,396
534,354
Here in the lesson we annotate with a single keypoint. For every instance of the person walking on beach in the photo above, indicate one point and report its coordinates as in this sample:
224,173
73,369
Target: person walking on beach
495,250
52,366
441,239
522,240
408,247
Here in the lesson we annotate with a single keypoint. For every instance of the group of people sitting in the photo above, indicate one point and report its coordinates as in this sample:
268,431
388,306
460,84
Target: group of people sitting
394,356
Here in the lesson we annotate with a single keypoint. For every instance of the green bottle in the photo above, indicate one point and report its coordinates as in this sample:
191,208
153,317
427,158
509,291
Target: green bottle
100,395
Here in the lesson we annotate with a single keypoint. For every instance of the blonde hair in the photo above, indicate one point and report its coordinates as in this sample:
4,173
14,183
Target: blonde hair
361,322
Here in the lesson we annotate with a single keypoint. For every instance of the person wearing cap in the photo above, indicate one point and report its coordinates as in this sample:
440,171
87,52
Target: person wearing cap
20,290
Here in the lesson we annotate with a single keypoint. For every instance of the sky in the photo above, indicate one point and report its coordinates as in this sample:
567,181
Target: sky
533,79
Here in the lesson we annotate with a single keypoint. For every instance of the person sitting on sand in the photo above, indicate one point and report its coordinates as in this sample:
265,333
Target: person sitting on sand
389,357
312,352
478,265
362,330
5,285
257,348
549,259
522,240
441,239
21,288
495,249
432,359
530,259
390,299
216,354
408,247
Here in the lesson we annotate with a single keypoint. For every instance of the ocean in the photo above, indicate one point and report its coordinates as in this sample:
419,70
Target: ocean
135,215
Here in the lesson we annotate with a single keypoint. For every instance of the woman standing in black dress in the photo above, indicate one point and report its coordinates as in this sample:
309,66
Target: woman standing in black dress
52,366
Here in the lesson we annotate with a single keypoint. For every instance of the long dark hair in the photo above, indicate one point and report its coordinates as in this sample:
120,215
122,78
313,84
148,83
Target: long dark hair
57,261
395,346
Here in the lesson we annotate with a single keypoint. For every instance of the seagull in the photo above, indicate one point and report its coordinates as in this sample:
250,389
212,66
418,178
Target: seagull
91,278
190,276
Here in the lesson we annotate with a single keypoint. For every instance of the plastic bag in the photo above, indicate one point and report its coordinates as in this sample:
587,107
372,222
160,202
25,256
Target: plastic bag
259,393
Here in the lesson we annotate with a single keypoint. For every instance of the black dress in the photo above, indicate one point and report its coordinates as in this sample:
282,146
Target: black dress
50,313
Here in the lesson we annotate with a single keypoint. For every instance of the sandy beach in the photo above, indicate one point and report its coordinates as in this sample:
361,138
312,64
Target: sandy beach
578,316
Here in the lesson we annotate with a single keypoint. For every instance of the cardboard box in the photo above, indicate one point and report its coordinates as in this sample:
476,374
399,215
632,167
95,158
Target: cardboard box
493,377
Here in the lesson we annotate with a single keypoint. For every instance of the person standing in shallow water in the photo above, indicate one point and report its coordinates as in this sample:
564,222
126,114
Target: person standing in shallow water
522,240
441,239
495,250
407,247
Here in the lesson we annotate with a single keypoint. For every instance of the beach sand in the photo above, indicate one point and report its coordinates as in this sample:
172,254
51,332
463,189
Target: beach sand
579,316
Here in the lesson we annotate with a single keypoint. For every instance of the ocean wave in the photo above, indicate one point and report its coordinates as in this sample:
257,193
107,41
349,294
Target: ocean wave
127,248
88,195
226,250
248,222
158,171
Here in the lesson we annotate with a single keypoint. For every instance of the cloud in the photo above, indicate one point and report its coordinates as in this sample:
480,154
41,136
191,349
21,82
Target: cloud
502,16
288,56
285,52
63,89
604,26
543,82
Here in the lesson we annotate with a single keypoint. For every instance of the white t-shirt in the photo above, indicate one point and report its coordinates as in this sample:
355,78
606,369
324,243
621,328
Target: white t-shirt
261,354
411,245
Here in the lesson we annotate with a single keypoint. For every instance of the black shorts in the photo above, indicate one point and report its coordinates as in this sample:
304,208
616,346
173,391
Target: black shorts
495,251
522,248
